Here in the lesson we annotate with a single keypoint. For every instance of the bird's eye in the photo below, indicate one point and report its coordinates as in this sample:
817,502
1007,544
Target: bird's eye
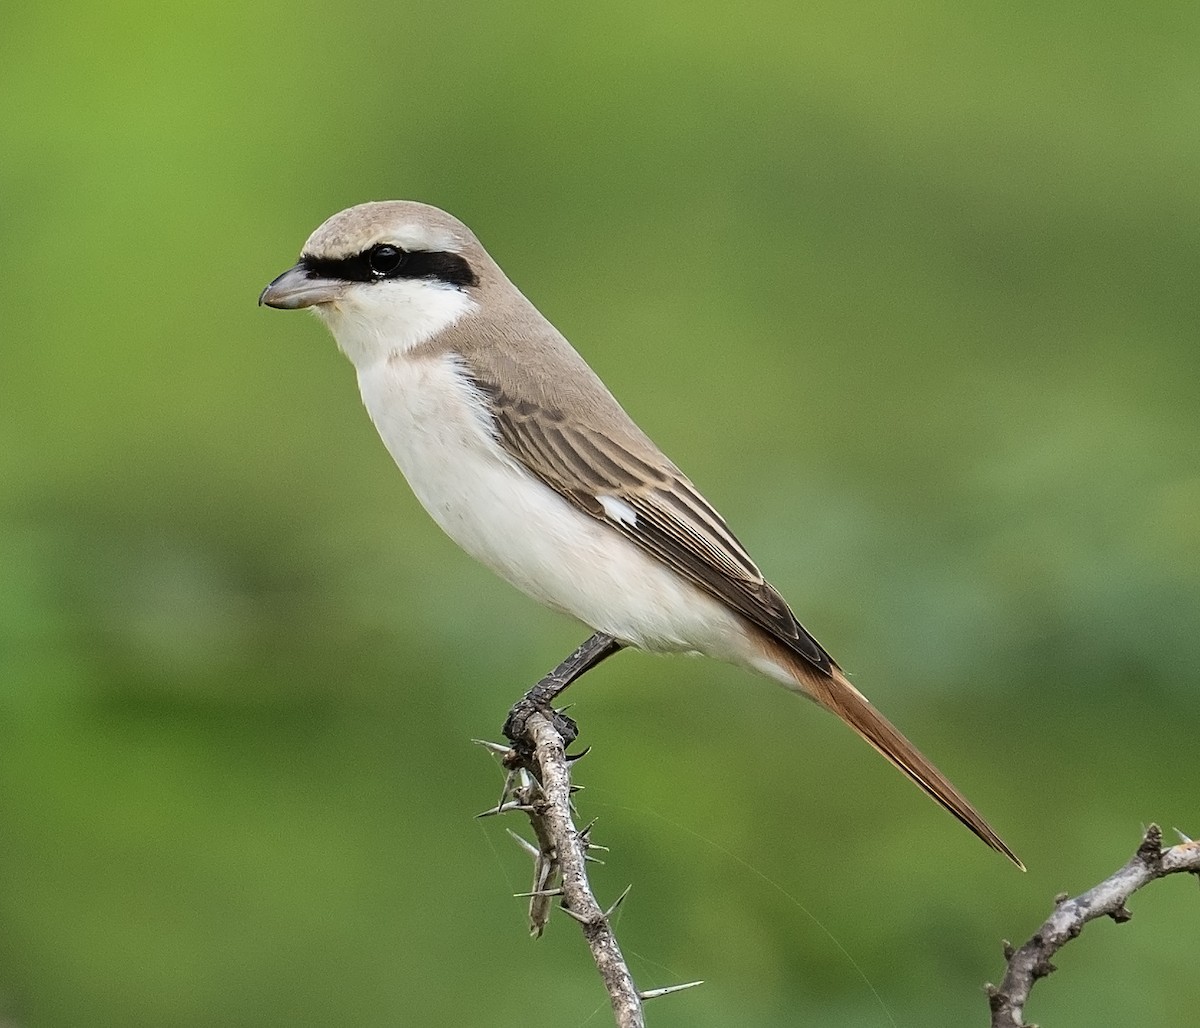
384,259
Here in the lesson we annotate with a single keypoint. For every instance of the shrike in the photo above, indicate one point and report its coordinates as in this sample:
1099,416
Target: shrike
518,451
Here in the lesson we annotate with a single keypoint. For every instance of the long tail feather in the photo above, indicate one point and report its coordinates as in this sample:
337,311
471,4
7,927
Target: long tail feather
835,693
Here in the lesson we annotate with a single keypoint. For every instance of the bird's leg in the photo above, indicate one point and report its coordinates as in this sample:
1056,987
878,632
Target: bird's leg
541,697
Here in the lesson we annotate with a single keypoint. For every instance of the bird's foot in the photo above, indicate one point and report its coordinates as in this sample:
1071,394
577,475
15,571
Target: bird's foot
518,719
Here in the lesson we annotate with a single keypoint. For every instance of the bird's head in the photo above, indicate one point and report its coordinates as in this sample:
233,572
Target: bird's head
386,277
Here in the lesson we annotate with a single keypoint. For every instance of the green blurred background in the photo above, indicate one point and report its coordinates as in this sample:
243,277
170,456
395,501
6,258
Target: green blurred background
910,292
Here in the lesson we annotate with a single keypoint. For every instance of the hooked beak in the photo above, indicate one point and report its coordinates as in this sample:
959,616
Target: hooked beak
299,287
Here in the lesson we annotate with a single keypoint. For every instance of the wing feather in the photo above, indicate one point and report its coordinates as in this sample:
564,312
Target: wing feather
674,523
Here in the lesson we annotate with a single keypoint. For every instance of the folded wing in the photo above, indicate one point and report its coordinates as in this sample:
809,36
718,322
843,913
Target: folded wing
651,502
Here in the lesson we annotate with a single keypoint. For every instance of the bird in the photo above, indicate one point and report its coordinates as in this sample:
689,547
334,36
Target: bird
520,453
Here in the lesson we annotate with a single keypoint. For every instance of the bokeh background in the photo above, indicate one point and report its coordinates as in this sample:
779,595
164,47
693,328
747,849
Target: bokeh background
911,293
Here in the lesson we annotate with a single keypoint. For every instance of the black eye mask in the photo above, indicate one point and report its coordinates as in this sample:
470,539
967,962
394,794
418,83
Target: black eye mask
384,260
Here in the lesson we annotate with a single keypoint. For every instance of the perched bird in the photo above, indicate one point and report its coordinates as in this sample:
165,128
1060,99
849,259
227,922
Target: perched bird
518,451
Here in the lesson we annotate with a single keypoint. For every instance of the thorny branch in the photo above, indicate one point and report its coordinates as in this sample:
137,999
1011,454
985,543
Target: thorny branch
1032,961
539,784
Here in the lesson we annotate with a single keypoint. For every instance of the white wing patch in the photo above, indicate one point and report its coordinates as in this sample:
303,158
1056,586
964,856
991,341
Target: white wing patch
618,510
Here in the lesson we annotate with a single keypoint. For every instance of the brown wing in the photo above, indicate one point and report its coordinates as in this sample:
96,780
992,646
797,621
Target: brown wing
673,522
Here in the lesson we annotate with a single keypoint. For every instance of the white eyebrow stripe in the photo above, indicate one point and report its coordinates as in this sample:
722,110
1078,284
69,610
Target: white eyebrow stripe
618,510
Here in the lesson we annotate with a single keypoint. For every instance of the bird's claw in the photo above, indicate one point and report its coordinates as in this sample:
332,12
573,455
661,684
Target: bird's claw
518,719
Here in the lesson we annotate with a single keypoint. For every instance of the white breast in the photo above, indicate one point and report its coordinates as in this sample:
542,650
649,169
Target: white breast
435,426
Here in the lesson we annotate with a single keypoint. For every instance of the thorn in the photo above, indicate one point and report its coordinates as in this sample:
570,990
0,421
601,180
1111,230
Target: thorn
1182,837
655,993
505,791
572,757
504,808
1121,914
542,873
588,827
494,747
1061,898
578,917
1008,949
572,789
540,893
525,844
617,902
593,860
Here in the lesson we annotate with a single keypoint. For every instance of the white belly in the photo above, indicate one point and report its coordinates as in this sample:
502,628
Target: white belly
431,420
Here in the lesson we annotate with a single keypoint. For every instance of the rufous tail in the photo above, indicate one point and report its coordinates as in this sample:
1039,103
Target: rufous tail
835,693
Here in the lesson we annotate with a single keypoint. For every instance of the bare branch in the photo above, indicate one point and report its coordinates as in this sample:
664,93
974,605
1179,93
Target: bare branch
1032,961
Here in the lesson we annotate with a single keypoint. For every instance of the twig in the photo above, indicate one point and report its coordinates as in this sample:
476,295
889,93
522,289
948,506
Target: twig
539,784
1032,961
560,867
